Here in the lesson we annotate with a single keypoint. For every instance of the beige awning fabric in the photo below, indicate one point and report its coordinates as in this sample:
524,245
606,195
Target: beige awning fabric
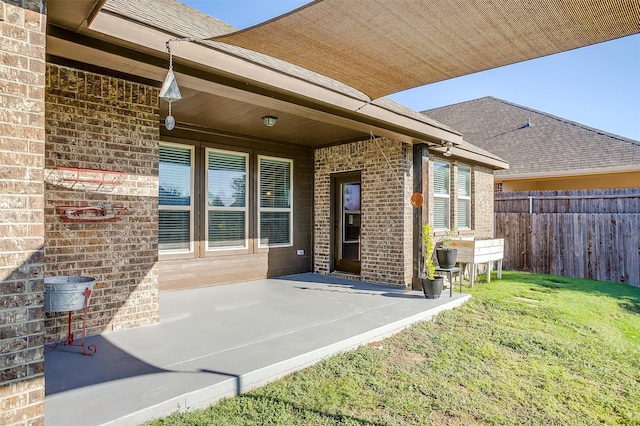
385,46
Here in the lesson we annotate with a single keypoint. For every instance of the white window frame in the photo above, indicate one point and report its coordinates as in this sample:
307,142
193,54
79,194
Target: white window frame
261,209
466,197
446,197
192,197
244,209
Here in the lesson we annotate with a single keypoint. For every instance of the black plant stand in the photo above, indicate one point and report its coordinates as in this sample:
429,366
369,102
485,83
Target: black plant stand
452,272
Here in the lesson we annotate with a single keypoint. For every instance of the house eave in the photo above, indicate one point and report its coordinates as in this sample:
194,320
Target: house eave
460,153
503,177
369,118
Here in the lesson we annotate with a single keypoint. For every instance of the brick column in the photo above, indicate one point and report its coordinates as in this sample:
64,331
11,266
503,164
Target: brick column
386,240
22,79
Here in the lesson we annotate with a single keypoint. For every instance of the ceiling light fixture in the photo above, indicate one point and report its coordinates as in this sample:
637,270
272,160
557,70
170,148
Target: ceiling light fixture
269,120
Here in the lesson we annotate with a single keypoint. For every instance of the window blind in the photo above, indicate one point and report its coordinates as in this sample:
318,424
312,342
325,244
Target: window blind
173,230
275,215
174,171
274,228
440,213
226,229
464,182
441,190
464,197
226,199
441,178
175,198
275,183
226,179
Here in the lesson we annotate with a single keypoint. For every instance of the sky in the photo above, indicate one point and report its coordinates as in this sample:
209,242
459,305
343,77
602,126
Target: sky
598,86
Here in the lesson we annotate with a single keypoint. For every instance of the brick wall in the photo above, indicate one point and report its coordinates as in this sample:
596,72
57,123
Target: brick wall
481,198
99,122
22,65
482,188
386,235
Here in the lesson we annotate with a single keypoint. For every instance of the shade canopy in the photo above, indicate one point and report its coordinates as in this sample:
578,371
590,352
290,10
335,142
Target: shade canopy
385,46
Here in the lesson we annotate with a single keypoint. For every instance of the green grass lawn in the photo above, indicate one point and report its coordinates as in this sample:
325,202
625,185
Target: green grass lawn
529,349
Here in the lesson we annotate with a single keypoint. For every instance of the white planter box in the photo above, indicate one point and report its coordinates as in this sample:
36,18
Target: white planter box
476,252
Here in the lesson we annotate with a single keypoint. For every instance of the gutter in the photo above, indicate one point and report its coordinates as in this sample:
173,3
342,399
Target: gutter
569,173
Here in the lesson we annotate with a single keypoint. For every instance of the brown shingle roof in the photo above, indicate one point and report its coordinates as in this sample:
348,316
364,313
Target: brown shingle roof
549,145
170,15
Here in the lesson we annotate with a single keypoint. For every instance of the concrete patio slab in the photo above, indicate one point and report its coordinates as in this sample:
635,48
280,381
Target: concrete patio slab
220,341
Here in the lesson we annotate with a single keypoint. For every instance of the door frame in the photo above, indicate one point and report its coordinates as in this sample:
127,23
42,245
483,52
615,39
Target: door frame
337,179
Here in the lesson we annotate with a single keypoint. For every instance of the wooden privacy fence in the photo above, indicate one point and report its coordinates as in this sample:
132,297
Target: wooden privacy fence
601,246
584,233
620,200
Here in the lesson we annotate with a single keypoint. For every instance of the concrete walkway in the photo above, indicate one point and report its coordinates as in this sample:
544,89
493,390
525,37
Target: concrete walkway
220,341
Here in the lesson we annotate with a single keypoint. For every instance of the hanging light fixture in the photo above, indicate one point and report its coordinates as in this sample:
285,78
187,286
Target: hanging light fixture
447,153
269,120
170,91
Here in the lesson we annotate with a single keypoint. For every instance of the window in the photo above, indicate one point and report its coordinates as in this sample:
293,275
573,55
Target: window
175,198
441,195
464,197
227,225
206,205
274,202
351,213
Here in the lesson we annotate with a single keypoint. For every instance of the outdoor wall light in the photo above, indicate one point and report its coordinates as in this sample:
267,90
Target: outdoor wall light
269,120
447,153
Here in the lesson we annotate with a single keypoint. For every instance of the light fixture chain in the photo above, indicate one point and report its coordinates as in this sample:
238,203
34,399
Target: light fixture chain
170,54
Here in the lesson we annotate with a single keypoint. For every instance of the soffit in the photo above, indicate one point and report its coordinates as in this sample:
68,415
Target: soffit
72,14
383,47
213,106
152,18
305,96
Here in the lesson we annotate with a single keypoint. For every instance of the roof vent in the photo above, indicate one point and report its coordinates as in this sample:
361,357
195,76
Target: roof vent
528,122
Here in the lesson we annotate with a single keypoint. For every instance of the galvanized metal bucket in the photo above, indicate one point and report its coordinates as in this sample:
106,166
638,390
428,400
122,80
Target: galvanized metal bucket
66,293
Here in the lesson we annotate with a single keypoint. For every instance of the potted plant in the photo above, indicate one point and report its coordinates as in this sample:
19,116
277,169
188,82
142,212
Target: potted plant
447,255
431,284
